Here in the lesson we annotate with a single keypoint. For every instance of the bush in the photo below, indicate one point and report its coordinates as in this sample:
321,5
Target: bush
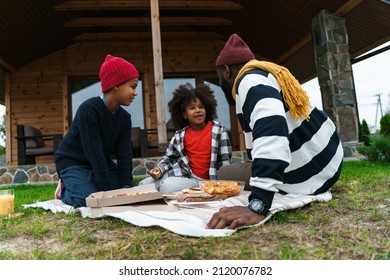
379,150
385,125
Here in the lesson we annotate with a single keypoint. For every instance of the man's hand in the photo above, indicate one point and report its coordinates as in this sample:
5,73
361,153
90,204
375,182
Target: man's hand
233,217
155,173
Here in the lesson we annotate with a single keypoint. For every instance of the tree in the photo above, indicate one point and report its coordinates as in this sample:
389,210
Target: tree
385,125
365,133
379,148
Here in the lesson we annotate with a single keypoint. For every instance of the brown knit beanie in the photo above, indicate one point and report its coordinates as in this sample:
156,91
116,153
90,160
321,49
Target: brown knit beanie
235,51
115,71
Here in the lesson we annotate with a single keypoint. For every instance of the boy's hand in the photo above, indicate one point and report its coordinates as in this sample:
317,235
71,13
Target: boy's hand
155,173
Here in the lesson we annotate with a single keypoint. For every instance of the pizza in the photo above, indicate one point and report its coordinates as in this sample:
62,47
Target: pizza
199,197
208,191
223,189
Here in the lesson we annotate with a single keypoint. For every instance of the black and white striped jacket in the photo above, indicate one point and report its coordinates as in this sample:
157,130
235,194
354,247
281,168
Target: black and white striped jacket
289,155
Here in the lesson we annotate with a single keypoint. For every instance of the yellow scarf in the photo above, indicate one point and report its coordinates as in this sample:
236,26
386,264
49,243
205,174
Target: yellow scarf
293,94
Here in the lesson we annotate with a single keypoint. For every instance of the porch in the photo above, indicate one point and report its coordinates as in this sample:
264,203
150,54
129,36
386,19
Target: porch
47,173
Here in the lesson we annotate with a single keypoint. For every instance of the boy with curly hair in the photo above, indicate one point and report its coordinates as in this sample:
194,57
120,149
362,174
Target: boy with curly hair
199,148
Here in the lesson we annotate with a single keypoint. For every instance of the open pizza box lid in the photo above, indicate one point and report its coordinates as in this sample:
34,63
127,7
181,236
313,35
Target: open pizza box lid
124,196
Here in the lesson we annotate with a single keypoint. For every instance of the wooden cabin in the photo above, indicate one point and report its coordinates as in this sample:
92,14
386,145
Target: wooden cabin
41,91
50,50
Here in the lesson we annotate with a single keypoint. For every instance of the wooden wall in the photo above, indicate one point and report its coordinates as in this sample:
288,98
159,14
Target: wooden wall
37,94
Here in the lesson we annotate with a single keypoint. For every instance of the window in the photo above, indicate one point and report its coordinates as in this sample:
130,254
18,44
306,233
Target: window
223,105
83,88
170,84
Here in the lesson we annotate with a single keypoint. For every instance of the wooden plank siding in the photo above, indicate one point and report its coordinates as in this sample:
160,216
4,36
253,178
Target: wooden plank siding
38,92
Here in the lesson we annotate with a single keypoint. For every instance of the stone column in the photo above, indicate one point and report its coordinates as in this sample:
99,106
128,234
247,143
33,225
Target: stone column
334,74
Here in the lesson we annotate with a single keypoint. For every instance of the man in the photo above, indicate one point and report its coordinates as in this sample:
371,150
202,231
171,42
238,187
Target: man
293,147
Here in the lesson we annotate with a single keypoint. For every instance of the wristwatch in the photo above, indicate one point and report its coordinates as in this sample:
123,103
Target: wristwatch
257,206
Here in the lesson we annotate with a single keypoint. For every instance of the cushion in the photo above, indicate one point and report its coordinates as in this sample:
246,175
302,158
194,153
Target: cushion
33,143
40,151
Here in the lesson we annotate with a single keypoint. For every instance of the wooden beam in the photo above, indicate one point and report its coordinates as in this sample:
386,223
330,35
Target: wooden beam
137,21
344,9
158,75
6,65
299,44
118,36
145,4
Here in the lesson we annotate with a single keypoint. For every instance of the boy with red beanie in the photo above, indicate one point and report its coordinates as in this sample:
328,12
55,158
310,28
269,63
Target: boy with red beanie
294,148
100,129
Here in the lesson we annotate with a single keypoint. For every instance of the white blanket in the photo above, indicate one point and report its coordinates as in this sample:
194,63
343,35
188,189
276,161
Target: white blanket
190,220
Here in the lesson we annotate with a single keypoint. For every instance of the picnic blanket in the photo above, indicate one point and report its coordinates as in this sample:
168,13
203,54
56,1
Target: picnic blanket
189,220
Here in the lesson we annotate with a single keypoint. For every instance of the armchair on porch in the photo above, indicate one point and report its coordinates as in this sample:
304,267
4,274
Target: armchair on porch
32,143
153,147
139,142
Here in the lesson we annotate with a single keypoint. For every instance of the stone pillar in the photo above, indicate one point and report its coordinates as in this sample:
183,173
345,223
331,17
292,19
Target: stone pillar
334,74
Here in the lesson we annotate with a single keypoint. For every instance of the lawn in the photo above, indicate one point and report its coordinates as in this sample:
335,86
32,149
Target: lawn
354,225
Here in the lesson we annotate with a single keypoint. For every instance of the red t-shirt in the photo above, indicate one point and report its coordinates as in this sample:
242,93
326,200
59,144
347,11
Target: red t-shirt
197,144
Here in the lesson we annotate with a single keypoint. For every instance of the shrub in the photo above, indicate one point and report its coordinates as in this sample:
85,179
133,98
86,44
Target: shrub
365,133
379,150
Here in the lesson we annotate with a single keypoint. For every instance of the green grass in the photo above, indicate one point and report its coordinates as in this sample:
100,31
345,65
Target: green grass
355,225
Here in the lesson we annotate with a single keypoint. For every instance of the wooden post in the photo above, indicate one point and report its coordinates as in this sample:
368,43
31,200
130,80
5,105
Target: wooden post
65,106
65,96
8,121
158,76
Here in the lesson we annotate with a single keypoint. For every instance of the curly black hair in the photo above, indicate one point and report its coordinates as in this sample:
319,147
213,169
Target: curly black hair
184,95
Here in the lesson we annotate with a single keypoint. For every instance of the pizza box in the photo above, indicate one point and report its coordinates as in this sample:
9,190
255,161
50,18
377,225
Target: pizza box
153,205
124,196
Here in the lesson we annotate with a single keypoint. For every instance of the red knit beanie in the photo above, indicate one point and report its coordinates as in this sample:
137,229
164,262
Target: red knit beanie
235,51
115,71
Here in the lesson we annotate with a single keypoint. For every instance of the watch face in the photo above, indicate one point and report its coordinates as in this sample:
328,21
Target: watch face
256,205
